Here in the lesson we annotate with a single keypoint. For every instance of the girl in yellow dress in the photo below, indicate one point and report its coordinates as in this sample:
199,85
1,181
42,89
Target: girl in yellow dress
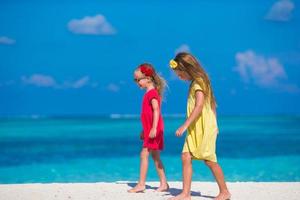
201,124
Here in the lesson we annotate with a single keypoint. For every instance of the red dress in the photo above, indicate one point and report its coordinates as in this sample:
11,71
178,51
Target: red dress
156,143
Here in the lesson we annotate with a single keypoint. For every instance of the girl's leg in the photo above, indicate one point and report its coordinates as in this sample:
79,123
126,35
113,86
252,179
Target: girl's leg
141,186
187,172
219,176
160,170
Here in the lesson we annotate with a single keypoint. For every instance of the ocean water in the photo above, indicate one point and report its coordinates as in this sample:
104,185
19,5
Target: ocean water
93,149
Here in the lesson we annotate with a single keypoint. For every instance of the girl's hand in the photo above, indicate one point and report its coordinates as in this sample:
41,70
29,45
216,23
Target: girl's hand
152,133
180,130
195,113
142,135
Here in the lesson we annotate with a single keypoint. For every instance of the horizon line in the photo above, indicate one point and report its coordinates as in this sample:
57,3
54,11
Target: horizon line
132,116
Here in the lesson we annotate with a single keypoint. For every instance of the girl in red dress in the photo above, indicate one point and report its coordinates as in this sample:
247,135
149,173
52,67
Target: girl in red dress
152,122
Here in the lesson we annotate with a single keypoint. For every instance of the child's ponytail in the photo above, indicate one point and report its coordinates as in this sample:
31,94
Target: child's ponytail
160,83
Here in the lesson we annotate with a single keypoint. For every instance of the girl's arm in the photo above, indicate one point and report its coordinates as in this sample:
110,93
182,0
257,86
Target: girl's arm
195,113
155,108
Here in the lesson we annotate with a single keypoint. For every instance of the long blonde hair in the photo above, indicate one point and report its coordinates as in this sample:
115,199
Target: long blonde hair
188,63
159,82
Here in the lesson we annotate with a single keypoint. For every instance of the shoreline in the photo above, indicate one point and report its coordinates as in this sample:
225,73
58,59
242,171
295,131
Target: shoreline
118,190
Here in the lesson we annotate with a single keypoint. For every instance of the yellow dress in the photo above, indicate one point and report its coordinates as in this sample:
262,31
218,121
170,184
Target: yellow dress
201,135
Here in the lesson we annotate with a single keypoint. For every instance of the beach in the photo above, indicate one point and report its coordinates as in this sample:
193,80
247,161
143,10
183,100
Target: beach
118,190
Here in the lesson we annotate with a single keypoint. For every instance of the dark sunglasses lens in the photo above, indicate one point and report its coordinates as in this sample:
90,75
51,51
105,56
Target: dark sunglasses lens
138,79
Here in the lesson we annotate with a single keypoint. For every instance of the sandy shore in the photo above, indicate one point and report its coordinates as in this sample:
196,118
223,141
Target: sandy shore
118,190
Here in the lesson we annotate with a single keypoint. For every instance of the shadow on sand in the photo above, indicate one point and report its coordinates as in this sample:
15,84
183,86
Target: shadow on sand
172,191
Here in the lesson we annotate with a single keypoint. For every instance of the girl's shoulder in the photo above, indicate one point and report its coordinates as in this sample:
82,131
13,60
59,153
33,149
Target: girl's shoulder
194,86
153,93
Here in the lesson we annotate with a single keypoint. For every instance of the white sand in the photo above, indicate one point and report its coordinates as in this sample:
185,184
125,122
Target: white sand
118,190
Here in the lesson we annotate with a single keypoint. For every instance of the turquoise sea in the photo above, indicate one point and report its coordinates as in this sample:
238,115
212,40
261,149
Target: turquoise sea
92,149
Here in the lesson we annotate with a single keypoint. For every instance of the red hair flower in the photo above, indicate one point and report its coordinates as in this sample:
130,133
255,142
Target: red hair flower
146,70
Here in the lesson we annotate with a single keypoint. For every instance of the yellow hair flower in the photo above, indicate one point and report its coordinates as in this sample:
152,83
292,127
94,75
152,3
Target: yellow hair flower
173,64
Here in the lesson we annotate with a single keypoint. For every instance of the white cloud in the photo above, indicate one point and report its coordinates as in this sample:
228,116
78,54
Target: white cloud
83,81
281,11
183,48
113,87
265,72
39,80
42,80
91,25
7,40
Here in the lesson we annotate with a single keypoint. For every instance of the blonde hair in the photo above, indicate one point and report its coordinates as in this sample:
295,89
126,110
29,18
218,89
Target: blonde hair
159,82
188,63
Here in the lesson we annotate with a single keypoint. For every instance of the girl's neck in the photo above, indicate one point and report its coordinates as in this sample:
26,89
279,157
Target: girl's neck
149,87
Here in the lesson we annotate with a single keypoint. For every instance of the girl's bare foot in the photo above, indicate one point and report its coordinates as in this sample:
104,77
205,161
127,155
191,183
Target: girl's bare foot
223,196
163,188
181,197
138,188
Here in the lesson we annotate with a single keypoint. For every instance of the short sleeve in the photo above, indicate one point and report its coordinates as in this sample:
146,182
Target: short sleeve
153,94
196,87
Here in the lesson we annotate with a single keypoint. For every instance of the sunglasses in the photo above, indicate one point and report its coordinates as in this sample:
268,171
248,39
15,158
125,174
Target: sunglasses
138,79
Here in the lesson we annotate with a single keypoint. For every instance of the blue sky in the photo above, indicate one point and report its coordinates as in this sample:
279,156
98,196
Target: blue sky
77,57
